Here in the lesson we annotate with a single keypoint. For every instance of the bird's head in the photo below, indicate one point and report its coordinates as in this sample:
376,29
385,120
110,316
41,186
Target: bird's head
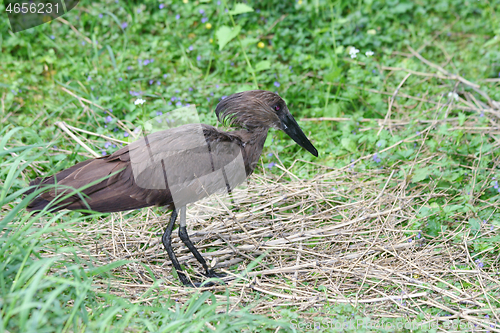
261,109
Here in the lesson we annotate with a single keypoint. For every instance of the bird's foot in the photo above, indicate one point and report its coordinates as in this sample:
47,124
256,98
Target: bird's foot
209,274
212,274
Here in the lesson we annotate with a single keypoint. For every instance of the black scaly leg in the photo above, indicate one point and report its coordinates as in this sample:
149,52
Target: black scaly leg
185,239
167,243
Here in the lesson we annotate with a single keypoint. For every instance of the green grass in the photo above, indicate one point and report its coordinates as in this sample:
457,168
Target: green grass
305,59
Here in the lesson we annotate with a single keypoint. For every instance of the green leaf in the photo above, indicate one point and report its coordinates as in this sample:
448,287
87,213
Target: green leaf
334,74
263,65
247,41
246,87
461,118
420,174
240,8
475,224
225,34
349,144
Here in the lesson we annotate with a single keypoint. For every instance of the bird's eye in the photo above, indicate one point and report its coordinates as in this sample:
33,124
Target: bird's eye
277,108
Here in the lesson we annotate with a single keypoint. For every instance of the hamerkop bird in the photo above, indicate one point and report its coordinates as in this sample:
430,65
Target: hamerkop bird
175,167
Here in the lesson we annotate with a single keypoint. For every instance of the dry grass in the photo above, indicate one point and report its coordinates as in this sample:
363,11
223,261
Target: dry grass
340,238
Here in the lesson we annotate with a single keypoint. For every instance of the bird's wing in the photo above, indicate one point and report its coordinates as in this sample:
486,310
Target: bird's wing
192,161
176,166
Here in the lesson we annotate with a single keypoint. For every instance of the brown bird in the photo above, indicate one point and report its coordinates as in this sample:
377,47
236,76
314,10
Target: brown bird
174,167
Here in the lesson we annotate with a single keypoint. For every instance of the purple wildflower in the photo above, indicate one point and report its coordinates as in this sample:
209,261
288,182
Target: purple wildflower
376,158
178,104
120,79
125,134
270,165
52,37
129,68
217,86
379,144
138,10
173,98
479,263
270,154
177,16
190,89
83,43
165,76
208,99
110,110
419,235
177,91
151,82
277,84
223,97
124,25
100,15
145,62
232,63
103,153
158,83
201,11
159,113
198,58
204,20
161,6
107,145
190,48
108,119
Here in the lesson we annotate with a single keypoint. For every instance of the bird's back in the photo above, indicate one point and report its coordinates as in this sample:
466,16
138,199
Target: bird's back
167,168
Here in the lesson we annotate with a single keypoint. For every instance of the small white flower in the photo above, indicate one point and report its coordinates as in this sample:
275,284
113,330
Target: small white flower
369,53
353,51
453,95
139,101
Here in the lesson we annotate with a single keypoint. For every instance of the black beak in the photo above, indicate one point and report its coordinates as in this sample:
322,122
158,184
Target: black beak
290,127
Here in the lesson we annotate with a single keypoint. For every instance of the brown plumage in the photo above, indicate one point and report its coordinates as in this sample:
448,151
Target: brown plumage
175,167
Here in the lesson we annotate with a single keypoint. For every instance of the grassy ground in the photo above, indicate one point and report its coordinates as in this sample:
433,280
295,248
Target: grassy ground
401,99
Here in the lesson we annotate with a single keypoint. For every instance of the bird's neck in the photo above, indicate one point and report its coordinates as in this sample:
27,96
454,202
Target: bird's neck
253,140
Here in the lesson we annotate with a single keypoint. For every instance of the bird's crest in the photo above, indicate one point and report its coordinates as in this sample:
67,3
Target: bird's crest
250,109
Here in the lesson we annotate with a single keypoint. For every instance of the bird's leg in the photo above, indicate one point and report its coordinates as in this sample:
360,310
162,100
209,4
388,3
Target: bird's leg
185,239
167,242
